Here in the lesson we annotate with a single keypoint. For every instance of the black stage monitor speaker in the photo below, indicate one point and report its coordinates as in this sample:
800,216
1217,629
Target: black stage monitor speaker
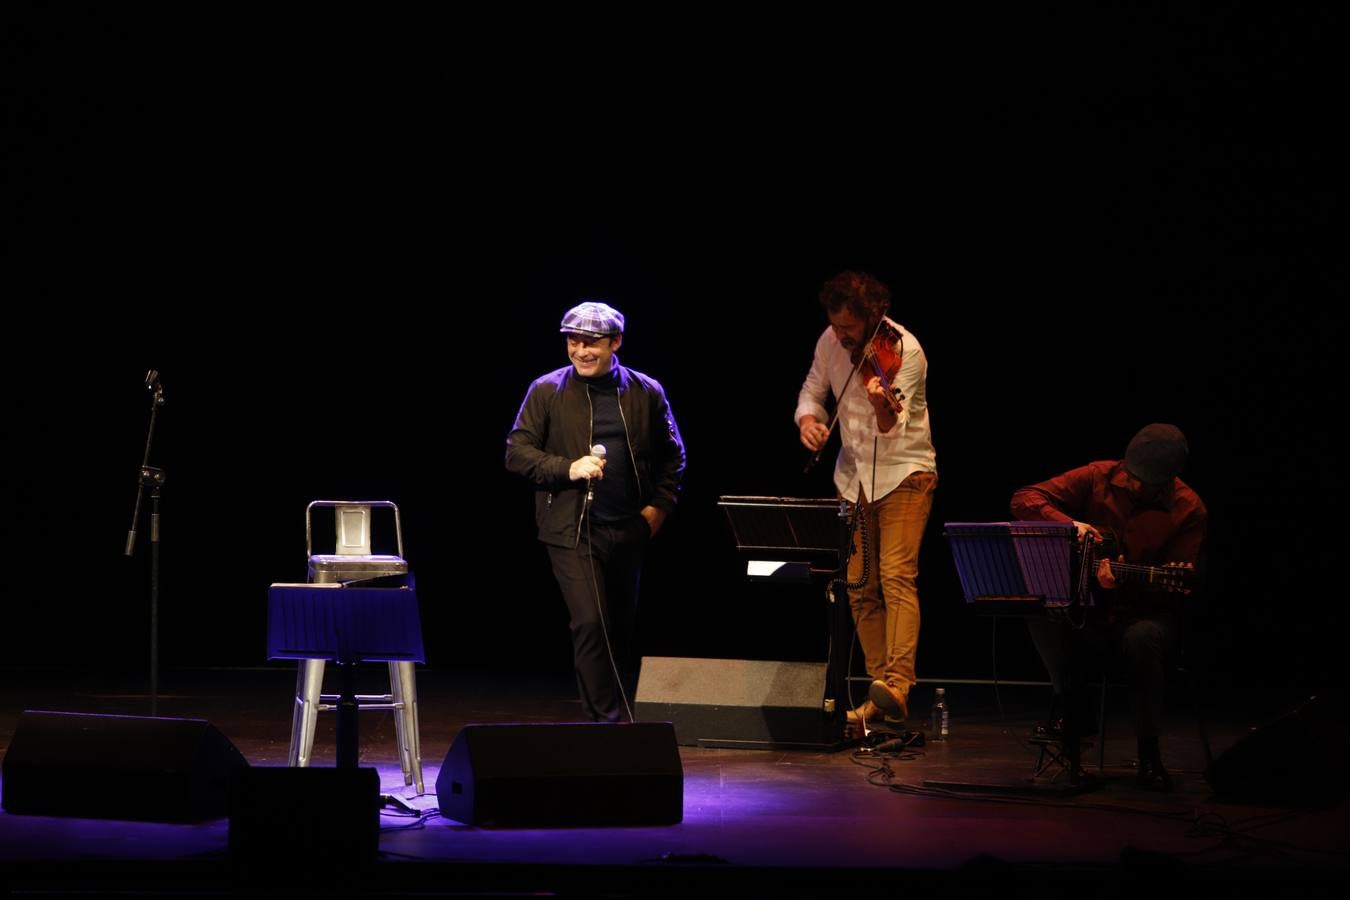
739,702
118,767
571,774
293,818
1300,759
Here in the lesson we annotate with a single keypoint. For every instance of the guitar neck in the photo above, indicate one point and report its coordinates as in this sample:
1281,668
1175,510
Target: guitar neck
1166,578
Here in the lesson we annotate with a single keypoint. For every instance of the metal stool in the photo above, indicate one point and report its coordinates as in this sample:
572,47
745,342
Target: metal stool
354,561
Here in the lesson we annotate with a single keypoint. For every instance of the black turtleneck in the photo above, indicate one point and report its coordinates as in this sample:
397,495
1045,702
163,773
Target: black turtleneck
616,493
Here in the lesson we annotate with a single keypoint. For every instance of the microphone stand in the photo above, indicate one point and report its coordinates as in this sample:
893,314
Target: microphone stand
153,478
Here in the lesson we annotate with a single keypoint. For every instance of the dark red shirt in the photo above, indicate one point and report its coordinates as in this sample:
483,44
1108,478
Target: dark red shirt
1168,529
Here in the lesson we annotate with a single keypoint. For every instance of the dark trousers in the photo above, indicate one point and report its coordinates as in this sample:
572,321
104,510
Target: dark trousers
599,580
1146,646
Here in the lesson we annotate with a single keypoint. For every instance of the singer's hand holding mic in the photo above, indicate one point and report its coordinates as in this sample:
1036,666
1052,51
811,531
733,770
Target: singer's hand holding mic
589,467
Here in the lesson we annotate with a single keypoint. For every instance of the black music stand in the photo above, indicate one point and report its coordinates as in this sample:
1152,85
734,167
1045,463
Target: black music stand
796,540
1022,569
348,625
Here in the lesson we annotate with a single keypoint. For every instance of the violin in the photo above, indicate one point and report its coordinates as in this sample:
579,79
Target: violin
881,356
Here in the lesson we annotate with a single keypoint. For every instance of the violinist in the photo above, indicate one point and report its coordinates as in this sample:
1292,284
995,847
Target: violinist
876,372
598,442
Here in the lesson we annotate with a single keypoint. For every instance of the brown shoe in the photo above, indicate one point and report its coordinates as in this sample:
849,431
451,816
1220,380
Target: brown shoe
891,701
867,712
855,728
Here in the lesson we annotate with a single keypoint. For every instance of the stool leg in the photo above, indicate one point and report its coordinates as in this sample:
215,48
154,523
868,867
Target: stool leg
308,686
400,721
407,680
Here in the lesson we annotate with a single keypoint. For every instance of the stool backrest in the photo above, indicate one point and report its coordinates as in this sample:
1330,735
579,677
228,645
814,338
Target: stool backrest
353,530
352,522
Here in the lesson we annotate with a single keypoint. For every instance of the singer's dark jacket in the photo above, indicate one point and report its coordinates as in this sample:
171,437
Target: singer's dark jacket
553,429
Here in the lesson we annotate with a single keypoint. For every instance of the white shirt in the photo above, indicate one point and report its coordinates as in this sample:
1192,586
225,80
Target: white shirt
875,460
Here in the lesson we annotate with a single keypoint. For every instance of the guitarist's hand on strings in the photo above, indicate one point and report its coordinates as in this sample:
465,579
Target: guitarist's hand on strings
813,434
1105,577
1086,529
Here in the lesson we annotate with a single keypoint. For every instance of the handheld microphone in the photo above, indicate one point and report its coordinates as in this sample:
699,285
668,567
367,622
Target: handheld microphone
152,383
596,450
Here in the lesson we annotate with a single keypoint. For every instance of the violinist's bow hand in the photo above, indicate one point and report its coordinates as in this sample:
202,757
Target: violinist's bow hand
813,434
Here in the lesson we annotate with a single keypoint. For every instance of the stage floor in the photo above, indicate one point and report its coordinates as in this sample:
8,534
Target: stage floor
757,823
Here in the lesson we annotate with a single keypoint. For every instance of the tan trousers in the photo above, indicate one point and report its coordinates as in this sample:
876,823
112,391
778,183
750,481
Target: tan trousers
886,608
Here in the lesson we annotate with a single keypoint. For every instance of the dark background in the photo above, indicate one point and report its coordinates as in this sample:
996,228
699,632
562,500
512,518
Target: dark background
346,245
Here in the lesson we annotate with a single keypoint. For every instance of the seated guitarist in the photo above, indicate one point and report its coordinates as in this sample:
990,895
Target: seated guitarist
1156,521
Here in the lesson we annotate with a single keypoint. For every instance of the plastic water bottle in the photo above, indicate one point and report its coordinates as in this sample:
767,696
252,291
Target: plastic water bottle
941,721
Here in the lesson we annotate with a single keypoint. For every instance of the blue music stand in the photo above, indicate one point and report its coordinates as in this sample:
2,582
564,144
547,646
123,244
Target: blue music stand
1014,568
348,624
1020,569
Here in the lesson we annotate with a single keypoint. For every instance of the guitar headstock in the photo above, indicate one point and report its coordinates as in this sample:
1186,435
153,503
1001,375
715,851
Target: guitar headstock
1177,577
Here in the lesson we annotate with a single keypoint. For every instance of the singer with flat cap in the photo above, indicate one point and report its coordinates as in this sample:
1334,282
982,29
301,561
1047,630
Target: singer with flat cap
600,445
1149,527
